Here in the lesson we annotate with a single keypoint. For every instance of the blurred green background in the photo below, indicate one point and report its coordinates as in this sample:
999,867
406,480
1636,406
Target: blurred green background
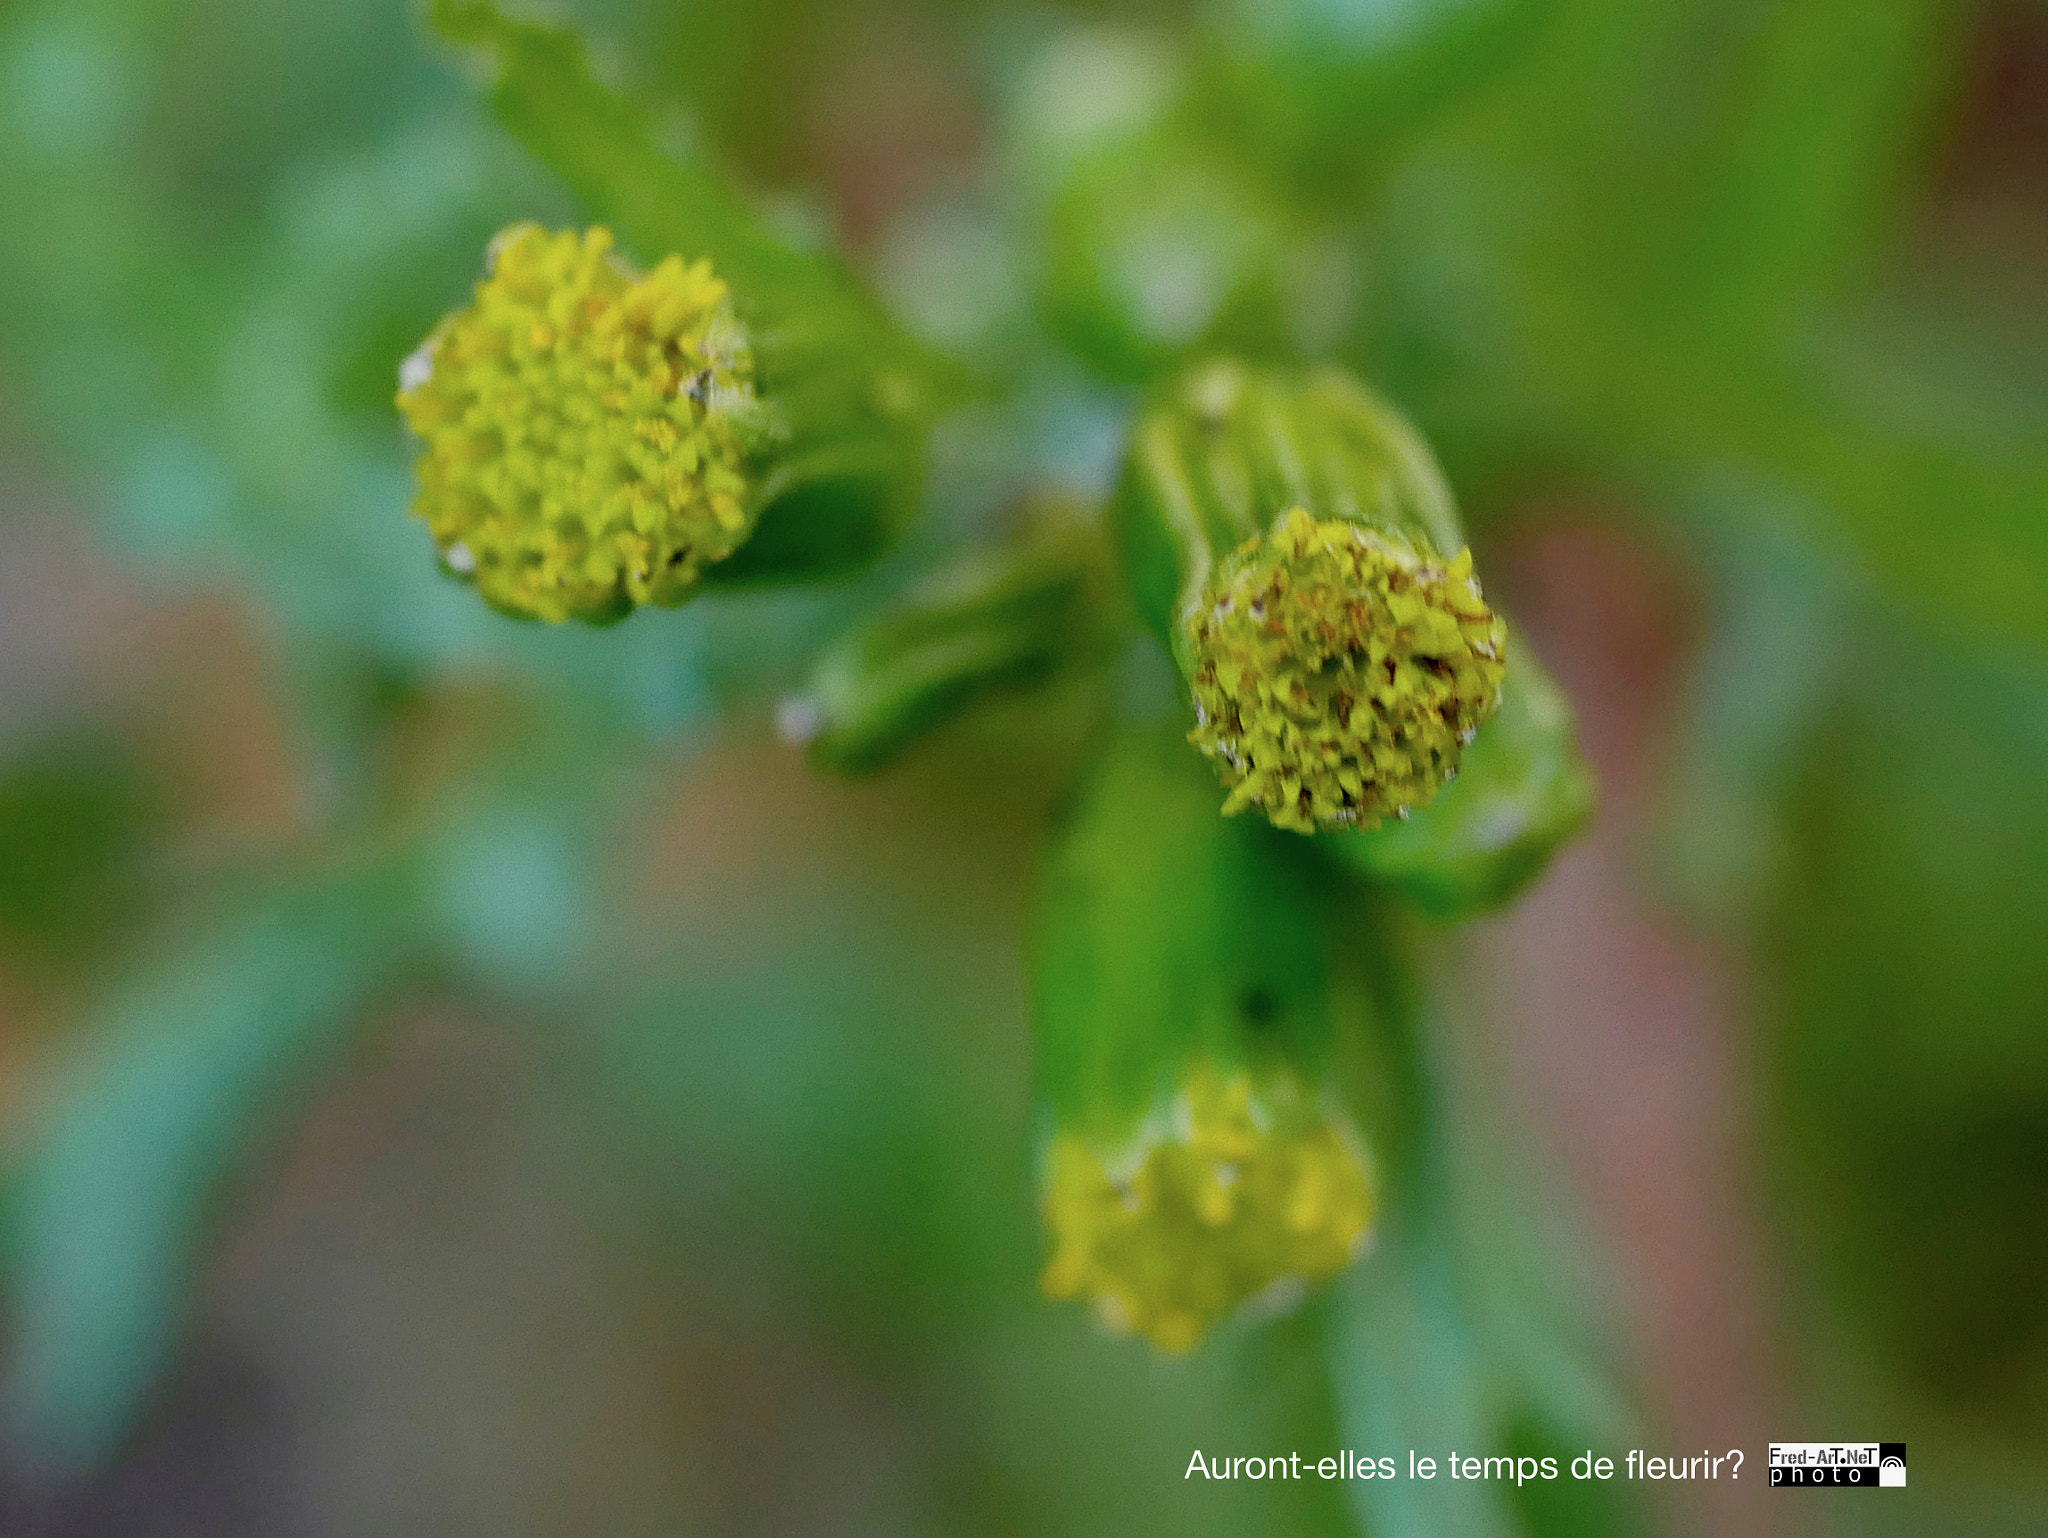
466,1078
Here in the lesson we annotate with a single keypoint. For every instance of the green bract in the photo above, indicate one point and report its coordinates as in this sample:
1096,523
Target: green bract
586,429
994,620
1522,791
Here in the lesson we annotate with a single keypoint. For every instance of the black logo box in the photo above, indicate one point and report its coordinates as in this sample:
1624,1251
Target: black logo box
1862,1476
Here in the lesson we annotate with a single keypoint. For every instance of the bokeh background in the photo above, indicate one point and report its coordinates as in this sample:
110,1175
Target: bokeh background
659,1160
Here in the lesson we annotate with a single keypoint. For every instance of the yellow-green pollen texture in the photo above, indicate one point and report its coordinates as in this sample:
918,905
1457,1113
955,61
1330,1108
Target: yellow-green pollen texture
584,428
1339,671
1247,1185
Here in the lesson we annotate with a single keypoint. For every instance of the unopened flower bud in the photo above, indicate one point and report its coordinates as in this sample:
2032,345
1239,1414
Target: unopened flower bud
1196,1156
586,429
1293,542
1339,670
1241,1186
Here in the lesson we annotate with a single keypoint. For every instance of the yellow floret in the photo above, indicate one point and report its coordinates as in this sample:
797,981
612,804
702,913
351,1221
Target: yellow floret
1245,1185
1338,672
586,428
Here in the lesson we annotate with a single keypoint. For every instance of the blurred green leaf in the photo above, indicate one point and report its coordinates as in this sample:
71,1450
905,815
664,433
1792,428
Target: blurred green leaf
604,146
1464,1329
1946,517
1714,161
1907,987
1636,257
1160,249
71,812
511,875
177,1093
1761,692
1521,792
1824,108
1328,91
1408,1378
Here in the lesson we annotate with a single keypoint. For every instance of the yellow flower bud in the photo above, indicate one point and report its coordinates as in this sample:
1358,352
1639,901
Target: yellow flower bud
1243,1185
586,429
1339,670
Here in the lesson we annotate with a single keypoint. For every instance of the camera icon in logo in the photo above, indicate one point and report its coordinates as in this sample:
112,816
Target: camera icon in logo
1891,1465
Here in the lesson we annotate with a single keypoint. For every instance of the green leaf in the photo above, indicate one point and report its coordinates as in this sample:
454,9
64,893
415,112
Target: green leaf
1905,987
1762,691
1942,507
1325,94
1640,253
1166,930
73,810
604,146
1521,792
1409,1376
1160,249
185,1084
1703,163
1816,124
1462,1331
